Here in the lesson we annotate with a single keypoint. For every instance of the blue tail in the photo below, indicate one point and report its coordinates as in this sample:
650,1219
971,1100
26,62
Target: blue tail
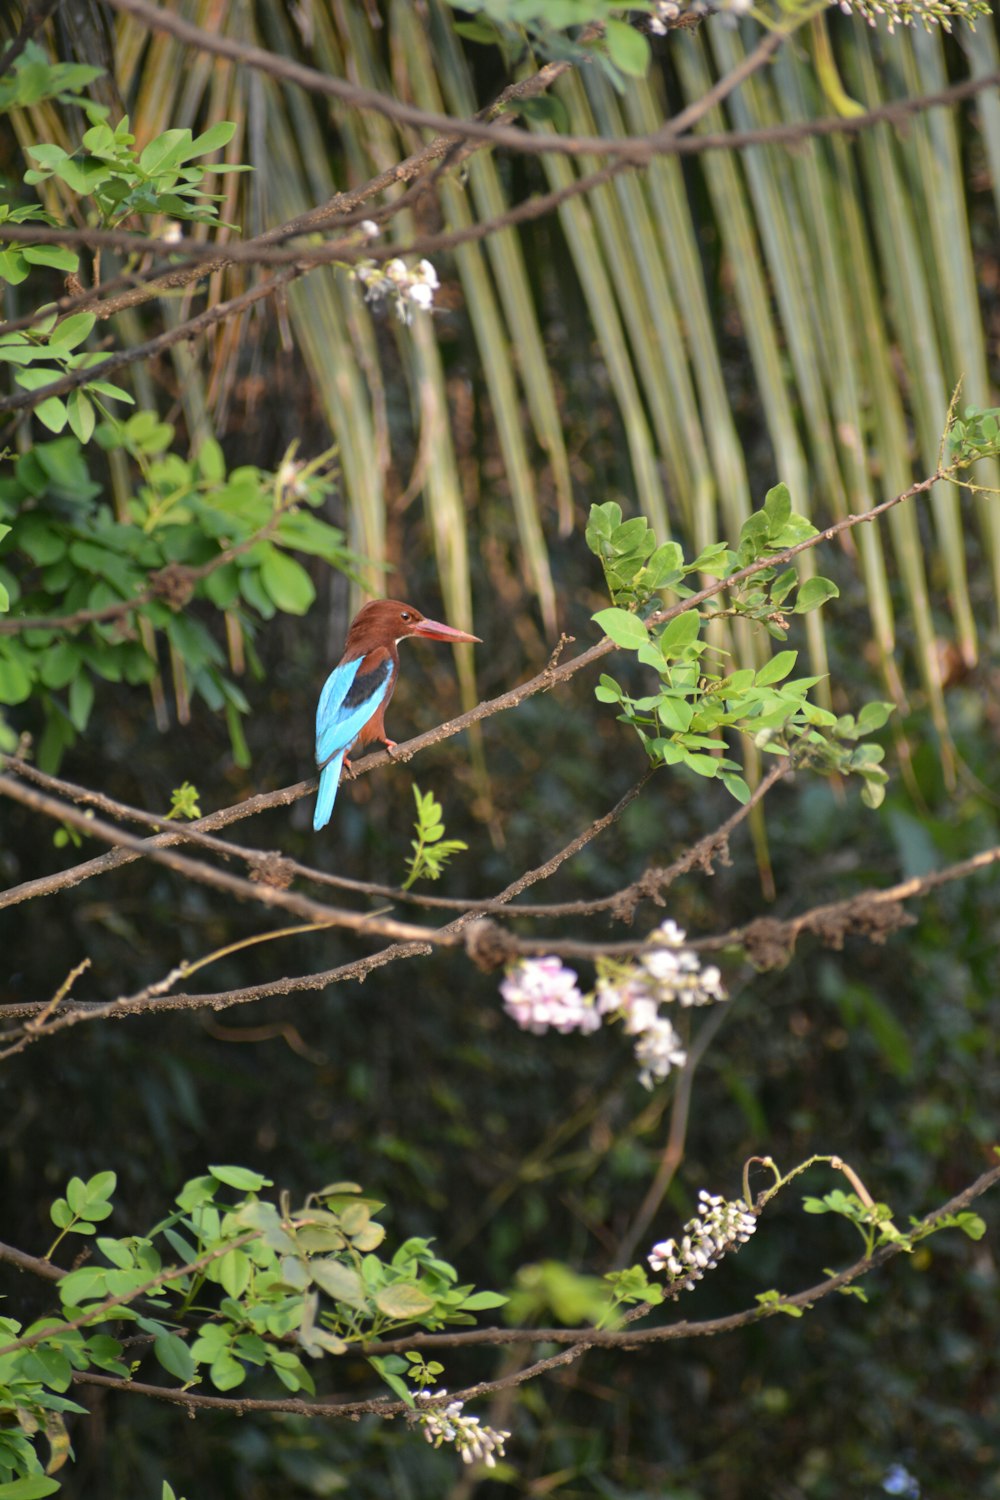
329,780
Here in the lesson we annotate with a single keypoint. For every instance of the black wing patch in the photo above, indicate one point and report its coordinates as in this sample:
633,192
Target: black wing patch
367,684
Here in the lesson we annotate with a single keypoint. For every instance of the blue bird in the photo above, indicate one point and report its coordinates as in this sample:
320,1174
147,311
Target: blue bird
356,694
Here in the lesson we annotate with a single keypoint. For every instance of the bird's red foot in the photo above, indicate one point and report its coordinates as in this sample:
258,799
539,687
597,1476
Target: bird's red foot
390,746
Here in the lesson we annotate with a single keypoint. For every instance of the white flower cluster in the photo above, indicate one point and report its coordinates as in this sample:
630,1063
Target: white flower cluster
674,972
476,1443
668,973
718,1227
908,12
406,287
667,13
540,992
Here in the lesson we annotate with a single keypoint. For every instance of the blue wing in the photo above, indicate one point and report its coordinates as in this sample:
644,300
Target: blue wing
349,698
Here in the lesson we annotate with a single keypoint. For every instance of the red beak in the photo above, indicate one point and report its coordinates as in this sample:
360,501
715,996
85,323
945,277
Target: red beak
435,631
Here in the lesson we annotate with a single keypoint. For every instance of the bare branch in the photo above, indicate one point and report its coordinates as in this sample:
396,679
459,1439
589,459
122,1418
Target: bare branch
33,1263
635,150
286,70
532,209
146,1000
35,17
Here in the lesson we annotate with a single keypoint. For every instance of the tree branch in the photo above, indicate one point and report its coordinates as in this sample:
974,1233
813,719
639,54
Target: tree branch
34,19
549,677
581,1339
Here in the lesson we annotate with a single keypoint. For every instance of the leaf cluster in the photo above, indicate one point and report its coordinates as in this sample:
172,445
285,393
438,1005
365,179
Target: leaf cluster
431,850
262,1285
33,79
65,549
975,435
50,349
874,1222
698,700
122,182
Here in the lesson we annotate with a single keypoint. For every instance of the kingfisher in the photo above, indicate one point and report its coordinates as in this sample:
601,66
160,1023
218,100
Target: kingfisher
356,694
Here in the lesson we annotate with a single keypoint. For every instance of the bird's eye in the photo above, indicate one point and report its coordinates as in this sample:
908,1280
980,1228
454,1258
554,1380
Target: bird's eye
404,614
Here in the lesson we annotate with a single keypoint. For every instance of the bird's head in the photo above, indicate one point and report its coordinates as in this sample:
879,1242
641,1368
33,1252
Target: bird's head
383,621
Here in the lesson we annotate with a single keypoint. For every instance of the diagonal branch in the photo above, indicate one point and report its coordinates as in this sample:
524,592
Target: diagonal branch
551,675
146,1000
533,208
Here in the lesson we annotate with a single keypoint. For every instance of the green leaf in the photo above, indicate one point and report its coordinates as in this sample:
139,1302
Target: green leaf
174,1355
82,418
15,683
50,1366
714,560
813,593
57,256
874,716
101,1186
76,1193
242,1178
33,1487
233,1272
81,700
198,1190
71,331
403,1300
52,413
608,691
778,667
676,714
625,629
777,508
88,1283
37,537
480,1301
116,1251
211,462
219,135
340,1282
287,582
680,633
226,1373
603,520
113,392
391,1379
627,48
166,150
971,1224
13,267
702,765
